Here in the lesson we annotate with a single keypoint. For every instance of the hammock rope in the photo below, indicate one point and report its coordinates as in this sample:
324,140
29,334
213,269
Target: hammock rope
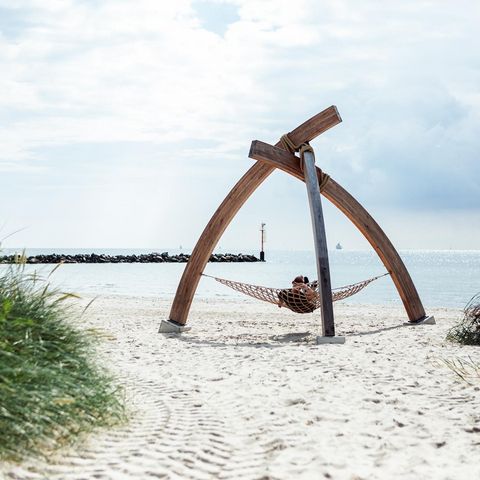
295,300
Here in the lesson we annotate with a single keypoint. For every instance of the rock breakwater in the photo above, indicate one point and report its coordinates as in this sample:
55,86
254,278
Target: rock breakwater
104,258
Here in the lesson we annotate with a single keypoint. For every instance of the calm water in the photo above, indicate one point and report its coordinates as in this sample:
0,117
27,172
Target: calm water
443,278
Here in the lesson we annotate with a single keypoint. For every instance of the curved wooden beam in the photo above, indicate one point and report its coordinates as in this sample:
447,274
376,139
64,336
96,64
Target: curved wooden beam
228,209
211,235
357,214
381,244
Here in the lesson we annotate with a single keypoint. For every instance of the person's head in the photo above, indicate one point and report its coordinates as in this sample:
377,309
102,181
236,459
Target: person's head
298,279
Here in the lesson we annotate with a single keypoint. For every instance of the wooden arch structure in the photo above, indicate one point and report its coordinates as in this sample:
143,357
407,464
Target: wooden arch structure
267,159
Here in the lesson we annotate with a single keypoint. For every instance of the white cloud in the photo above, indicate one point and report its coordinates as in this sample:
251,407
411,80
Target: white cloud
404,75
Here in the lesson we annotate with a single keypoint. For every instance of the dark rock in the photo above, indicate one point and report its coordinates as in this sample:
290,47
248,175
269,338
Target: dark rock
133,258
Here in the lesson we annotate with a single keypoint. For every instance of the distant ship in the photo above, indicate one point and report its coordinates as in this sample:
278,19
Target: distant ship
339,246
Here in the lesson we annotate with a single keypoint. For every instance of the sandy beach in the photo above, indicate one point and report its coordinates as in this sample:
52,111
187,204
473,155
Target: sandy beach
247,394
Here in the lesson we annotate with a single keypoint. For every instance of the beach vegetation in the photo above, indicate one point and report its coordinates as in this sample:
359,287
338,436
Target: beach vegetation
467,331
467,370
51,387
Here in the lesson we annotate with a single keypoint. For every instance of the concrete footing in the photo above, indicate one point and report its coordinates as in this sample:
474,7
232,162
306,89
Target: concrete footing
168,326
427,320
324,340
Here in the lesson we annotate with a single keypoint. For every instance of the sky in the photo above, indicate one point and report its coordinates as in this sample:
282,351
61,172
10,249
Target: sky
126,123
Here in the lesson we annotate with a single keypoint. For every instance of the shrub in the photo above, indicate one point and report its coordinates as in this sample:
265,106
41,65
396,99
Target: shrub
467,331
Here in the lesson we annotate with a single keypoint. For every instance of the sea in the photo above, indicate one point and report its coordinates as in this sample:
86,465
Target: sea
444,278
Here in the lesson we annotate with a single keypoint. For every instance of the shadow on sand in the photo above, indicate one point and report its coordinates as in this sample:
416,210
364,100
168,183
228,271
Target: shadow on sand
273,341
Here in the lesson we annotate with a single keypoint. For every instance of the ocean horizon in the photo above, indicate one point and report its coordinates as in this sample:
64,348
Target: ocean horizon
444,278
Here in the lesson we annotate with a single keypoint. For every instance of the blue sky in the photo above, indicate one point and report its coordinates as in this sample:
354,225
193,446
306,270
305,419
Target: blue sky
125,124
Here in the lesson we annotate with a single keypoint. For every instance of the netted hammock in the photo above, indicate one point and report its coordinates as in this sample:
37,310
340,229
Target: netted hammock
293,299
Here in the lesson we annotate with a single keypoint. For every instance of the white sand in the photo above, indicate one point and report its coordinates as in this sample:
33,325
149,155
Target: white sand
247,394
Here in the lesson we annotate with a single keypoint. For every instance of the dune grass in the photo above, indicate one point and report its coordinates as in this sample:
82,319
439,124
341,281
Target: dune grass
51,390
467,370
467,332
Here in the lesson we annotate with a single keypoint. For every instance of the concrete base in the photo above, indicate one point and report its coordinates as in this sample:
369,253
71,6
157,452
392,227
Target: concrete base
170,327
428,320
324,340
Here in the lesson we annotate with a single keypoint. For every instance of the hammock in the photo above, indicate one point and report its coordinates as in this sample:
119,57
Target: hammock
294,300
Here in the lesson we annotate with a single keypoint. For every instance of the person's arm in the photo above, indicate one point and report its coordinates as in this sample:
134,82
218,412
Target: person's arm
305,289
309,293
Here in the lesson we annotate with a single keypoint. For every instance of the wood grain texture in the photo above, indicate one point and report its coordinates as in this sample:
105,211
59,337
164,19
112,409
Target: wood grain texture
279,158
320,244
240,193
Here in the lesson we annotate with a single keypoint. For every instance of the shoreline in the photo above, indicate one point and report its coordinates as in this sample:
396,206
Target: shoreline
248,394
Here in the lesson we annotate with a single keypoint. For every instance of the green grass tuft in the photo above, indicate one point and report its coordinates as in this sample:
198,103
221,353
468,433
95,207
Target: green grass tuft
50,388
467,331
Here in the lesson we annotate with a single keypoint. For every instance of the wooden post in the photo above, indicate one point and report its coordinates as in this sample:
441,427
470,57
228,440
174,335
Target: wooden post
320,241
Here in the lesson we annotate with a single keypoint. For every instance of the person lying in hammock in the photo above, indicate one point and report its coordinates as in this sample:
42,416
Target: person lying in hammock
300,298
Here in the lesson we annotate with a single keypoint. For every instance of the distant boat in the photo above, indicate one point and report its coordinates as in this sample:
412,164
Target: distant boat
339,246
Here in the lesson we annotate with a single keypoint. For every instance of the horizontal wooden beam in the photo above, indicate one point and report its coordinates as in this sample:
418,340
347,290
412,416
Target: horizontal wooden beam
273,156
276,157
239,194
315,126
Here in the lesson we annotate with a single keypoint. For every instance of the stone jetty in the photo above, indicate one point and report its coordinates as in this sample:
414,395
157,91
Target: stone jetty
103,258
